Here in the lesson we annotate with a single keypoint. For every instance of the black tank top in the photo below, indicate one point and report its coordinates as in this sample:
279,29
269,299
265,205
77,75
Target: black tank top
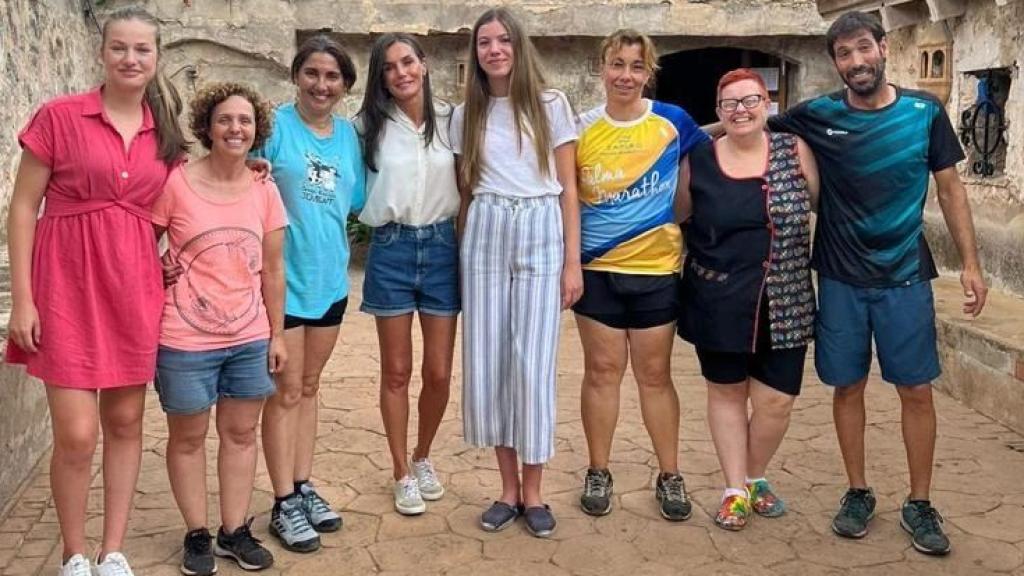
739,259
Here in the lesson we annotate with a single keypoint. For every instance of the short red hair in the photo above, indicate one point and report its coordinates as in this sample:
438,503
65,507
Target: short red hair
739,75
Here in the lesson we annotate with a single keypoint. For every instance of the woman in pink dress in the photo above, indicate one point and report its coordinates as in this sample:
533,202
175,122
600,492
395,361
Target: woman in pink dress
86,279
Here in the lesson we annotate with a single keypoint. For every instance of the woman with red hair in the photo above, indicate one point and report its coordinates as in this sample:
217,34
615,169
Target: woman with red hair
747,303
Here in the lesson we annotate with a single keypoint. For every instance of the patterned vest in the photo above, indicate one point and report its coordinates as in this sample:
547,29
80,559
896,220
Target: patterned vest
748,248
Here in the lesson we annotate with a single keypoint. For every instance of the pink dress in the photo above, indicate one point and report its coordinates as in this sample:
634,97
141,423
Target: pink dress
96,277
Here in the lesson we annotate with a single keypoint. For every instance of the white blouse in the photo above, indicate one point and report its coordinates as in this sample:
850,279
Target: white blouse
414,184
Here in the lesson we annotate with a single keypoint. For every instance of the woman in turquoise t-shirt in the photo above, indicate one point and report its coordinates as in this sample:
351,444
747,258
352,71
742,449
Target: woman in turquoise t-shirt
318,167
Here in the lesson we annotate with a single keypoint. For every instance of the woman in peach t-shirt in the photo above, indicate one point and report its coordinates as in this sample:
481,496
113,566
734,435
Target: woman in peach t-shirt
221,333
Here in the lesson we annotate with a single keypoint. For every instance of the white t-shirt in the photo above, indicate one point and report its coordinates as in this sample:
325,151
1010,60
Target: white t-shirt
413,184
511,170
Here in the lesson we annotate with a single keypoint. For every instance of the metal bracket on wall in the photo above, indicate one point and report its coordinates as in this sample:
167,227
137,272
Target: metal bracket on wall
983,126
89,11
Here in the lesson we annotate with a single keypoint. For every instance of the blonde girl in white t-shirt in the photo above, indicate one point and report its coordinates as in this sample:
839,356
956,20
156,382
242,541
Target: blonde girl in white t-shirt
413,264
515,149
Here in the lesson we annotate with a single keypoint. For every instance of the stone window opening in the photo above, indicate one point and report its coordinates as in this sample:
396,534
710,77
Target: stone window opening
983,128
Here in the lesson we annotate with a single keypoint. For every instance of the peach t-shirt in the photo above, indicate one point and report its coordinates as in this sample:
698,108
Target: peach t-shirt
217,301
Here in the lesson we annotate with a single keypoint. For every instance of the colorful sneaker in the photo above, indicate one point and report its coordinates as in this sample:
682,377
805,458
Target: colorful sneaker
925,527
242,547
115,564
317,510
596,499
77,565
856,509
408,500
671,493
288,522
430,486
764,501
733,513
197,556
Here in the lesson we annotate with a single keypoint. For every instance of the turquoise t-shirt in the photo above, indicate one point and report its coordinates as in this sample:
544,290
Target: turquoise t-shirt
321,180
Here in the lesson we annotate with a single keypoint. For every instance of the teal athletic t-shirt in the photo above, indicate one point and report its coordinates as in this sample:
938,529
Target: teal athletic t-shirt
321,180
874,167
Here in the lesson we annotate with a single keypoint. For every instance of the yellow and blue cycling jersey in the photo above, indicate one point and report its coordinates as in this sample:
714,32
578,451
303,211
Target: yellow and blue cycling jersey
627,173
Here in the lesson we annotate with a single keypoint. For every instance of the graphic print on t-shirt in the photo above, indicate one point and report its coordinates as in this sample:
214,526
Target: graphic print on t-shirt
628,173
228,300
321,179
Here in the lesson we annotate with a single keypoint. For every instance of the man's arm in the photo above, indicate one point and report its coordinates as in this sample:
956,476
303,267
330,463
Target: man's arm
956,210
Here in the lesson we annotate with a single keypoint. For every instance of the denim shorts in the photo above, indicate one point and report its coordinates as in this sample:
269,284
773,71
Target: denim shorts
412,268
190,382
900,320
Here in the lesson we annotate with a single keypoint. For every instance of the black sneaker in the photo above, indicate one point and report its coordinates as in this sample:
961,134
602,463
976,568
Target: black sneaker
197,557
925,527
242,547
856,508
671,493
596,499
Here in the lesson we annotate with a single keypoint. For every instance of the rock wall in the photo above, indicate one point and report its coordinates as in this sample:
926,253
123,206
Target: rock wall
46,49
254,41
988,36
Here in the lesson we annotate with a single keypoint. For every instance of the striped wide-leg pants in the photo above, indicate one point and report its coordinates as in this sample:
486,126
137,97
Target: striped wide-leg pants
511,259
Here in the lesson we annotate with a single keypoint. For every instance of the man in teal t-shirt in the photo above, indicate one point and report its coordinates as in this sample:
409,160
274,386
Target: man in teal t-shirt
876,145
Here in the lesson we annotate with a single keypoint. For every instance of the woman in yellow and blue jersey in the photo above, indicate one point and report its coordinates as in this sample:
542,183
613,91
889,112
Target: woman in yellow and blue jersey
627,164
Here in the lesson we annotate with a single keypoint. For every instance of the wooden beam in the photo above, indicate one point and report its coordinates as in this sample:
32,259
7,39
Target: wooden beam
833,7
942,9
903,14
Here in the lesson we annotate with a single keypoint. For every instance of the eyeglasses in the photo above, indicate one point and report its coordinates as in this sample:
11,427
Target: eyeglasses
748,102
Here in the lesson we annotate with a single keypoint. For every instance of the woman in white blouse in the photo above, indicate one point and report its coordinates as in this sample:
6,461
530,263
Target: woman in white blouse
412,200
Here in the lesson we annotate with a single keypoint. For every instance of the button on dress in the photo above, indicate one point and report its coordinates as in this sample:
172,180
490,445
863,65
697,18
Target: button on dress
96,278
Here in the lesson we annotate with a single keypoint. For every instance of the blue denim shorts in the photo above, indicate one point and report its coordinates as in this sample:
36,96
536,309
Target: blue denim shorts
190,382
900,320
412,268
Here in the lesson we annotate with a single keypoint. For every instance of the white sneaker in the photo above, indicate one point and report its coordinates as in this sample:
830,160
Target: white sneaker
426,477
77,565
408,500
115,564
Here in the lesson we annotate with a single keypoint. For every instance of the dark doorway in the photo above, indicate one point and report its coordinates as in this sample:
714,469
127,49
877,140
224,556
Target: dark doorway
689,78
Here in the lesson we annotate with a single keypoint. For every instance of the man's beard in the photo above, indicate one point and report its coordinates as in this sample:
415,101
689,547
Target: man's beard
877,83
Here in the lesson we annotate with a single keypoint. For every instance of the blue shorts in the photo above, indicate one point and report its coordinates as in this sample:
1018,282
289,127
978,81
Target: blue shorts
190,382
901,319
412,268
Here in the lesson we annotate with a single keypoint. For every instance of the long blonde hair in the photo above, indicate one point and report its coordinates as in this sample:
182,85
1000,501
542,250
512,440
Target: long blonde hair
161,96
526,85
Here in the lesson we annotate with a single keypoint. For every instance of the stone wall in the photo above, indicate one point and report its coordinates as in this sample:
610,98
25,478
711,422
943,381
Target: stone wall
988,36
46,49
254,41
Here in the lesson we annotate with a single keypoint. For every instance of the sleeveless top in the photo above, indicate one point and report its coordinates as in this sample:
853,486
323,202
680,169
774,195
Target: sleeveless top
748,246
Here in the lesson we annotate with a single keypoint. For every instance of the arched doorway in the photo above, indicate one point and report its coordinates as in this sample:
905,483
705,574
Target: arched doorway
688,78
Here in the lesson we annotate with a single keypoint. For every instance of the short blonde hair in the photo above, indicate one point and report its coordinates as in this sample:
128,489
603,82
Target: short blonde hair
629,37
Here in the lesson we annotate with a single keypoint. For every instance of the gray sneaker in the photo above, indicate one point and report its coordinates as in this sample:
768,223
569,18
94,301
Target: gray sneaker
924,524
596,499
671,494
856,508
289,524
430,486
317,510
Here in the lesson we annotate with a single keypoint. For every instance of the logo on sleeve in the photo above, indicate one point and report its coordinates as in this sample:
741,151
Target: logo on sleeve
836,132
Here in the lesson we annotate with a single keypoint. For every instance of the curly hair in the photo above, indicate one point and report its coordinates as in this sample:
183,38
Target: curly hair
210,96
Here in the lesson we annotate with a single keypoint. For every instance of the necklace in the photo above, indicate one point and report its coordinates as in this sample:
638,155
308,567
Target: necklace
323,128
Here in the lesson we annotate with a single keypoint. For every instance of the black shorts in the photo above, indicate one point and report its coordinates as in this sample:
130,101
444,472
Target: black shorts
629,301
780,369
332,317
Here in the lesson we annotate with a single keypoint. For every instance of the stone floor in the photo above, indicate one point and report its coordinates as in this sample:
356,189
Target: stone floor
977,487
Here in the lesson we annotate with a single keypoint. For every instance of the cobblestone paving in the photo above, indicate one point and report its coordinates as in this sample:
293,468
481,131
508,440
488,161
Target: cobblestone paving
979,488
